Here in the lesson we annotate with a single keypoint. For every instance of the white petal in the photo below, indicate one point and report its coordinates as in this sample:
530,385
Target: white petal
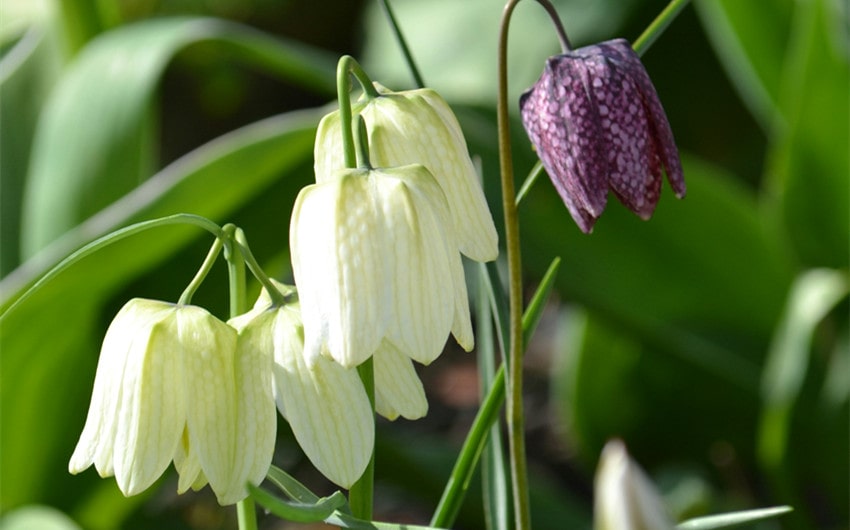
462,323
325,404
209,383
256,419
338,262
398,390
625,499
420,254
419,127
152,409
188,467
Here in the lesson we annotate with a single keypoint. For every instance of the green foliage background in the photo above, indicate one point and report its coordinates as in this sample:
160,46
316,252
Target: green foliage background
713,339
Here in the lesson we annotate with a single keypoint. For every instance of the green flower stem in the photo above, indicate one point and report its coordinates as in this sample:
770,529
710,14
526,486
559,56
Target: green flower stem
246,512
361,144
402,43
278,298
566,47
212,255
488,413
515,420
108,239
360,496
658,26
348,65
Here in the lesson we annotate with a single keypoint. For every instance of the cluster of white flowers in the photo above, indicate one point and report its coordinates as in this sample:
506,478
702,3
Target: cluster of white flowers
377,262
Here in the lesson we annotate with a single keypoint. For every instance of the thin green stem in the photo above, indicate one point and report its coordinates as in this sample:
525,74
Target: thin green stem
348,65
566,47
278,299
209,261
529,181
360,496
246,512
515,420
108,239
361,144
402,43
657,27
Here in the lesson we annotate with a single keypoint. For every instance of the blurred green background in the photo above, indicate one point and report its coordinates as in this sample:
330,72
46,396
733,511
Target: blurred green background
713,339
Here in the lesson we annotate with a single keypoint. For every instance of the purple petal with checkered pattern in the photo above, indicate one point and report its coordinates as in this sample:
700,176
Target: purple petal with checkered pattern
597,124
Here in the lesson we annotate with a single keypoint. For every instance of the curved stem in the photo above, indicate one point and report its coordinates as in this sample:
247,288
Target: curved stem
361,144
241,242
515,420
348,65
215,249
566,47
405,50
113,237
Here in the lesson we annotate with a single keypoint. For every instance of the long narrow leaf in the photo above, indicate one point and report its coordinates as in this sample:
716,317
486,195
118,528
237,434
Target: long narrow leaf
728,520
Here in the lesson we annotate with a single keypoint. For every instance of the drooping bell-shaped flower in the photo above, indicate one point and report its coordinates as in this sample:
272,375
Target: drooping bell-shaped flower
170,387
419,127
325,404
377,266
596,122
625,499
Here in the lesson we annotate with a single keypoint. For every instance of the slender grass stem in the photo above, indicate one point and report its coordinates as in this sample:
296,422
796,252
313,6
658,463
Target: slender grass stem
657,27
402,43
515,419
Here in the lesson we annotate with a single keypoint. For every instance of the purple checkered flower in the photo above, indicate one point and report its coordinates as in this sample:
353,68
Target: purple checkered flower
597,124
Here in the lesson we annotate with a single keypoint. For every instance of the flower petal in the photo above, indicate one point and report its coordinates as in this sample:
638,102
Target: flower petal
208,347
419,258
418,127
325,404
560,118
338,251
660,126
152,407
398,390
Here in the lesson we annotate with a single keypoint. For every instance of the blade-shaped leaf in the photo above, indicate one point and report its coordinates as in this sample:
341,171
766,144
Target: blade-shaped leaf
92,144
728,520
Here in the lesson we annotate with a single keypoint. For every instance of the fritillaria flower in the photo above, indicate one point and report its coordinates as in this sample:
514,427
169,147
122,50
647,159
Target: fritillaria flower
597,124
169,386
418,127
325,404
625,499
377,266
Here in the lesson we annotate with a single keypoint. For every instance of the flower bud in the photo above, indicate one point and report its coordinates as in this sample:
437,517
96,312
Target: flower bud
625,498
597,124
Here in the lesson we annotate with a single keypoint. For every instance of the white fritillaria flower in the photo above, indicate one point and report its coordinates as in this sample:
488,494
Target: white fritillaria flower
170,387
625,498
418,127
325,404
377,267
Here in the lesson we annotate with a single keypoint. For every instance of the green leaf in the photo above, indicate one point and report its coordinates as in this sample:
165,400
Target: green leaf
78,170
27,71
751,39
809,168
298,512
812,297
728,520
51,340
291,487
